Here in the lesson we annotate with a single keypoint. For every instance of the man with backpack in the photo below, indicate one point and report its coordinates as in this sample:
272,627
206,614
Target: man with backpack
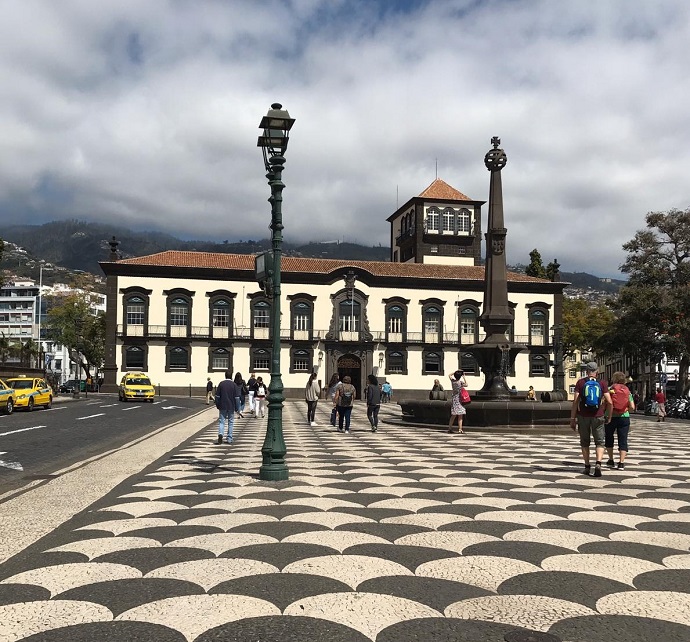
344,400
592,398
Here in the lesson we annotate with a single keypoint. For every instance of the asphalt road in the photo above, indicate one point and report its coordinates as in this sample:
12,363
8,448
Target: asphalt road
35,445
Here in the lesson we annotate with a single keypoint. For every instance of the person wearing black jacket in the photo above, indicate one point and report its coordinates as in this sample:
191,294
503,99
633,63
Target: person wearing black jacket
226,394
252,387
373,396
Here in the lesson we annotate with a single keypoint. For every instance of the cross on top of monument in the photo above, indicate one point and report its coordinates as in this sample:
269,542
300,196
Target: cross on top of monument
495,141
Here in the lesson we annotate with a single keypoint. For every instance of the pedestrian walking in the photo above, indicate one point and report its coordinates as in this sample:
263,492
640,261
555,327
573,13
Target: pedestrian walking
260,398
591,400
618,419
226,394
311,395
241,388
344,401
457,410
209,390
373,397
387,391
251,392
333,385
660,399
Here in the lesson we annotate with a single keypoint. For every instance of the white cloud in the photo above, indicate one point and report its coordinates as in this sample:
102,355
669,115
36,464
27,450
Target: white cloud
146,113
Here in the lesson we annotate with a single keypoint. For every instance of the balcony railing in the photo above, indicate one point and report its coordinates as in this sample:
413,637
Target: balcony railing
286,334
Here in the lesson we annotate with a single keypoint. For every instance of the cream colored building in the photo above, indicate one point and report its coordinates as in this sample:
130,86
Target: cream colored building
186,316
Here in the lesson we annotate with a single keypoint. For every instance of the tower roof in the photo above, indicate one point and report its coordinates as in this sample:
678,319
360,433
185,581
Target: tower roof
441,189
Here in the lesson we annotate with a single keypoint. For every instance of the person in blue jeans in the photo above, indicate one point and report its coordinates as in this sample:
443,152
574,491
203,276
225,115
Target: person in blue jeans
226,392
344,400
618,419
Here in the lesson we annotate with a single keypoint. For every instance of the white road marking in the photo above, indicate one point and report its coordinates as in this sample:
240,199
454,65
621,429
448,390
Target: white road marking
15,465
12,432
110,405
54,408
171,407
100,414
131,408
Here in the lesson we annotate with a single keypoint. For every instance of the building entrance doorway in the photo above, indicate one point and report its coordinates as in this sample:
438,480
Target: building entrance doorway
351,366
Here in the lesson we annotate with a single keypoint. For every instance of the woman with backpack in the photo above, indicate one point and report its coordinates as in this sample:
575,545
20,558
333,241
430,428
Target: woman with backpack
311,395
618,419
333,385
373,394
344,400
260,397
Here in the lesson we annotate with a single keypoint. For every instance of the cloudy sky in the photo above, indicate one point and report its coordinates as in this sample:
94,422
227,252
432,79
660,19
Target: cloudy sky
146,113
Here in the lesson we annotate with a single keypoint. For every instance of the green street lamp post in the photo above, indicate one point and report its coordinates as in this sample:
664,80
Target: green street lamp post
276,125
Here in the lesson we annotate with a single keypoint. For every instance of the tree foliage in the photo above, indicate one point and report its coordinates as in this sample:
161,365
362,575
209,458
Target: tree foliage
535,267
72,322
654,306
584,325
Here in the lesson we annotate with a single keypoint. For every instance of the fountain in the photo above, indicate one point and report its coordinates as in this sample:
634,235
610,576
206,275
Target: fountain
493,406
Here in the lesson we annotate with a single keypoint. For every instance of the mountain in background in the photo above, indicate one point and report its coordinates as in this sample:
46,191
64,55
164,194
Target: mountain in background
79,246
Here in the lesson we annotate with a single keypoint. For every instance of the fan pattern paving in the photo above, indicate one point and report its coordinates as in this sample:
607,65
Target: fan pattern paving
405,534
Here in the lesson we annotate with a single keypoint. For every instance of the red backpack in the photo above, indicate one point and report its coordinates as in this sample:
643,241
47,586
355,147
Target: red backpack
620,395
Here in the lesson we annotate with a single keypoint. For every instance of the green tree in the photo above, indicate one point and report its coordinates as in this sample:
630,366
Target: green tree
585,325
656,299
71,321
28,353
535,267
6,348
553,270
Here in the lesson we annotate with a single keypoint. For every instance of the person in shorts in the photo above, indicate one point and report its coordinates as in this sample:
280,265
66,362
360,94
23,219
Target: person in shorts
590,421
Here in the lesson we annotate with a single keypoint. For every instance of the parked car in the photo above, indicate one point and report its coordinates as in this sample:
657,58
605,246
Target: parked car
31,392
8,397
137,386
70,386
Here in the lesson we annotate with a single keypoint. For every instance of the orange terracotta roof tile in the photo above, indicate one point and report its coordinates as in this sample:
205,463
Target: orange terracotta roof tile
297,265
441,189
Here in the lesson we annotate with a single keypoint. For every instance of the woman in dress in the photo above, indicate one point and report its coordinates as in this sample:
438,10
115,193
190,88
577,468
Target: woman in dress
457,410
241,388
311,395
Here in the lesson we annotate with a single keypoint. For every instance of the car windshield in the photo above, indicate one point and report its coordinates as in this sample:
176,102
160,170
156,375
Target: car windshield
21,384
139,381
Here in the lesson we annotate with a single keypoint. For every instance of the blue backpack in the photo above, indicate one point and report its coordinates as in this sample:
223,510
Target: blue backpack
591,394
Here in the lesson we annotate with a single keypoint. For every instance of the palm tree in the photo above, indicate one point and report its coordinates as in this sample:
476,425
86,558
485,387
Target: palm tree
5,348
28,352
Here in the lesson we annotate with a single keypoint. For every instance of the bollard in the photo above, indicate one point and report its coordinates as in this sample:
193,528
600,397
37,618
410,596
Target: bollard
190,389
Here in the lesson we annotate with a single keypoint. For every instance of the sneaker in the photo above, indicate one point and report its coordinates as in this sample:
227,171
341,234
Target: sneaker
597,470
347,431
228,440
220,439
621,465
610,463
340,430
587,470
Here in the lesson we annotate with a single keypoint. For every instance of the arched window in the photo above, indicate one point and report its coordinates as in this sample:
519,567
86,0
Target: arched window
432,219
179,312
177,359
433,363
261,360
395,362
538,365
349,313
464,221
469,364
433,330
468,325
135,358
301,317
449,219
220,359
221,313
537,327
261,319
300,361
396,317
135,310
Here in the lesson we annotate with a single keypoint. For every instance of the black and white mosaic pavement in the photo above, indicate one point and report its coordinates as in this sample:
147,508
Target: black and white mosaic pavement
406,534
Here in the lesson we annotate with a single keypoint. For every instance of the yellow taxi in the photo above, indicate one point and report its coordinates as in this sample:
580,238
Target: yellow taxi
8,397
136,386
31,392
